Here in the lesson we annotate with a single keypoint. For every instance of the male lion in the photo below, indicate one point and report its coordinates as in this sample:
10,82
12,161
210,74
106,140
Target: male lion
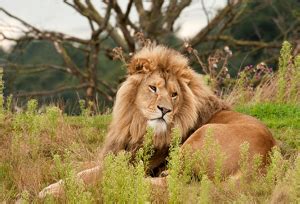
162,91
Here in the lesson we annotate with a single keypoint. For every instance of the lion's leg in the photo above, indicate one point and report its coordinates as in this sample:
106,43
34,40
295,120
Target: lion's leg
228,138
197,144
88,177
55,189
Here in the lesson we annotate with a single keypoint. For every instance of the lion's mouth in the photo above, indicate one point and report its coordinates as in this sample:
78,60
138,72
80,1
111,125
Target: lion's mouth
158,124
160,119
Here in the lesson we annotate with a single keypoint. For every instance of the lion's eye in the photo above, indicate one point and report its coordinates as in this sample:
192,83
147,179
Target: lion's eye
174,94
153,88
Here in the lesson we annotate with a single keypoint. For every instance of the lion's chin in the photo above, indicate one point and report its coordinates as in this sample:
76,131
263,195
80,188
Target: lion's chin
159,126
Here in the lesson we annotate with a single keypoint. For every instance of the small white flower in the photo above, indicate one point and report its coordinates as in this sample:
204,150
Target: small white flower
226,49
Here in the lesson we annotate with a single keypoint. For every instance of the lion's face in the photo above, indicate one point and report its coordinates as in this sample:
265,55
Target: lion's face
158,98
161,91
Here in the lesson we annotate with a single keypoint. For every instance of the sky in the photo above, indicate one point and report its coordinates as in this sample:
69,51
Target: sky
57,16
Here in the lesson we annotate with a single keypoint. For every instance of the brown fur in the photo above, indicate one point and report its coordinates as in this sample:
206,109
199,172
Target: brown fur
193,110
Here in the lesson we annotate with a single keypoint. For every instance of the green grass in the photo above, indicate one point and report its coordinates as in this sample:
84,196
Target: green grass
282,119
274,115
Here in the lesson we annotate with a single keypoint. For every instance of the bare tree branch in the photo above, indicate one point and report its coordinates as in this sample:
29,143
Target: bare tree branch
110,98
90,12
231,40
140,8
205,11
174,10
122,22
74,69
212,24
35,33
31,67
52,92
129,6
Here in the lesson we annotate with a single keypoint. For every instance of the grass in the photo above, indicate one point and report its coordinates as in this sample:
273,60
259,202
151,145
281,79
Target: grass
283,119
39,149
274,115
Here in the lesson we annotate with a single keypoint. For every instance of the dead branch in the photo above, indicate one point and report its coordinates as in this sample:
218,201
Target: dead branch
123,22
52,92
205,11
248,43
33,67
211,25
70,64
174,10
37,34
90,12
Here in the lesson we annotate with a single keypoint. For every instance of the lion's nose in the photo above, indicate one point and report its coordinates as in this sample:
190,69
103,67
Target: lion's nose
164,110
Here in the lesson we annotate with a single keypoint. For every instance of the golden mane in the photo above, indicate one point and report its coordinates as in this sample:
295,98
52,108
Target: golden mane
129,126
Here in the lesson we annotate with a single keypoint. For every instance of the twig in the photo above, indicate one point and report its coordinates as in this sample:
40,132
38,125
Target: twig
52,92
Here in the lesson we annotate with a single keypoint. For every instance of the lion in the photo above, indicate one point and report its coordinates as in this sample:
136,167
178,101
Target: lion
161,91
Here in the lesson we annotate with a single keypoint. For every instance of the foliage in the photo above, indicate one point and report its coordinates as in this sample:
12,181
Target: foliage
284,60
256,22
256,84
144,154
1,95
123,182
175,182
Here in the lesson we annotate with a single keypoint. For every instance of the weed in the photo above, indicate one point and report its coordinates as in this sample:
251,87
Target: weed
205,190
284,63
1,95
175,185
122,182
295,82
276,169
147,150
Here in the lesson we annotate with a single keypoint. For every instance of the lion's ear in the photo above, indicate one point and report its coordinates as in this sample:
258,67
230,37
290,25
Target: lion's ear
139,65
186,75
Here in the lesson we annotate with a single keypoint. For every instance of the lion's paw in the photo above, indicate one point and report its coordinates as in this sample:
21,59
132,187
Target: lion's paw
164,173
55,189
158,181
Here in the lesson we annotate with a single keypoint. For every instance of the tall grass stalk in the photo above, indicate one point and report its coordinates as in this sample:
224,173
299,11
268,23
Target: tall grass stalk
284,61
175,184
1,95
123,182
295,82
75,191
147,150
205,190
296,181
276,169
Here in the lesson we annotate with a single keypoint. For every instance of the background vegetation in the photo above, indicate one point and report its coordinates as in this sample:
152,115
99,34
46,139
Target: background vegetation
64,68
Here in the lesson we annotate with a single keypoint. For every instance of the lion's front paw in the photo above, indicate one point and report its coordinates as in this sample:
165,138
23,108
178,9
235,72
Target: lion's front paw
158,181
55,189
164,173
